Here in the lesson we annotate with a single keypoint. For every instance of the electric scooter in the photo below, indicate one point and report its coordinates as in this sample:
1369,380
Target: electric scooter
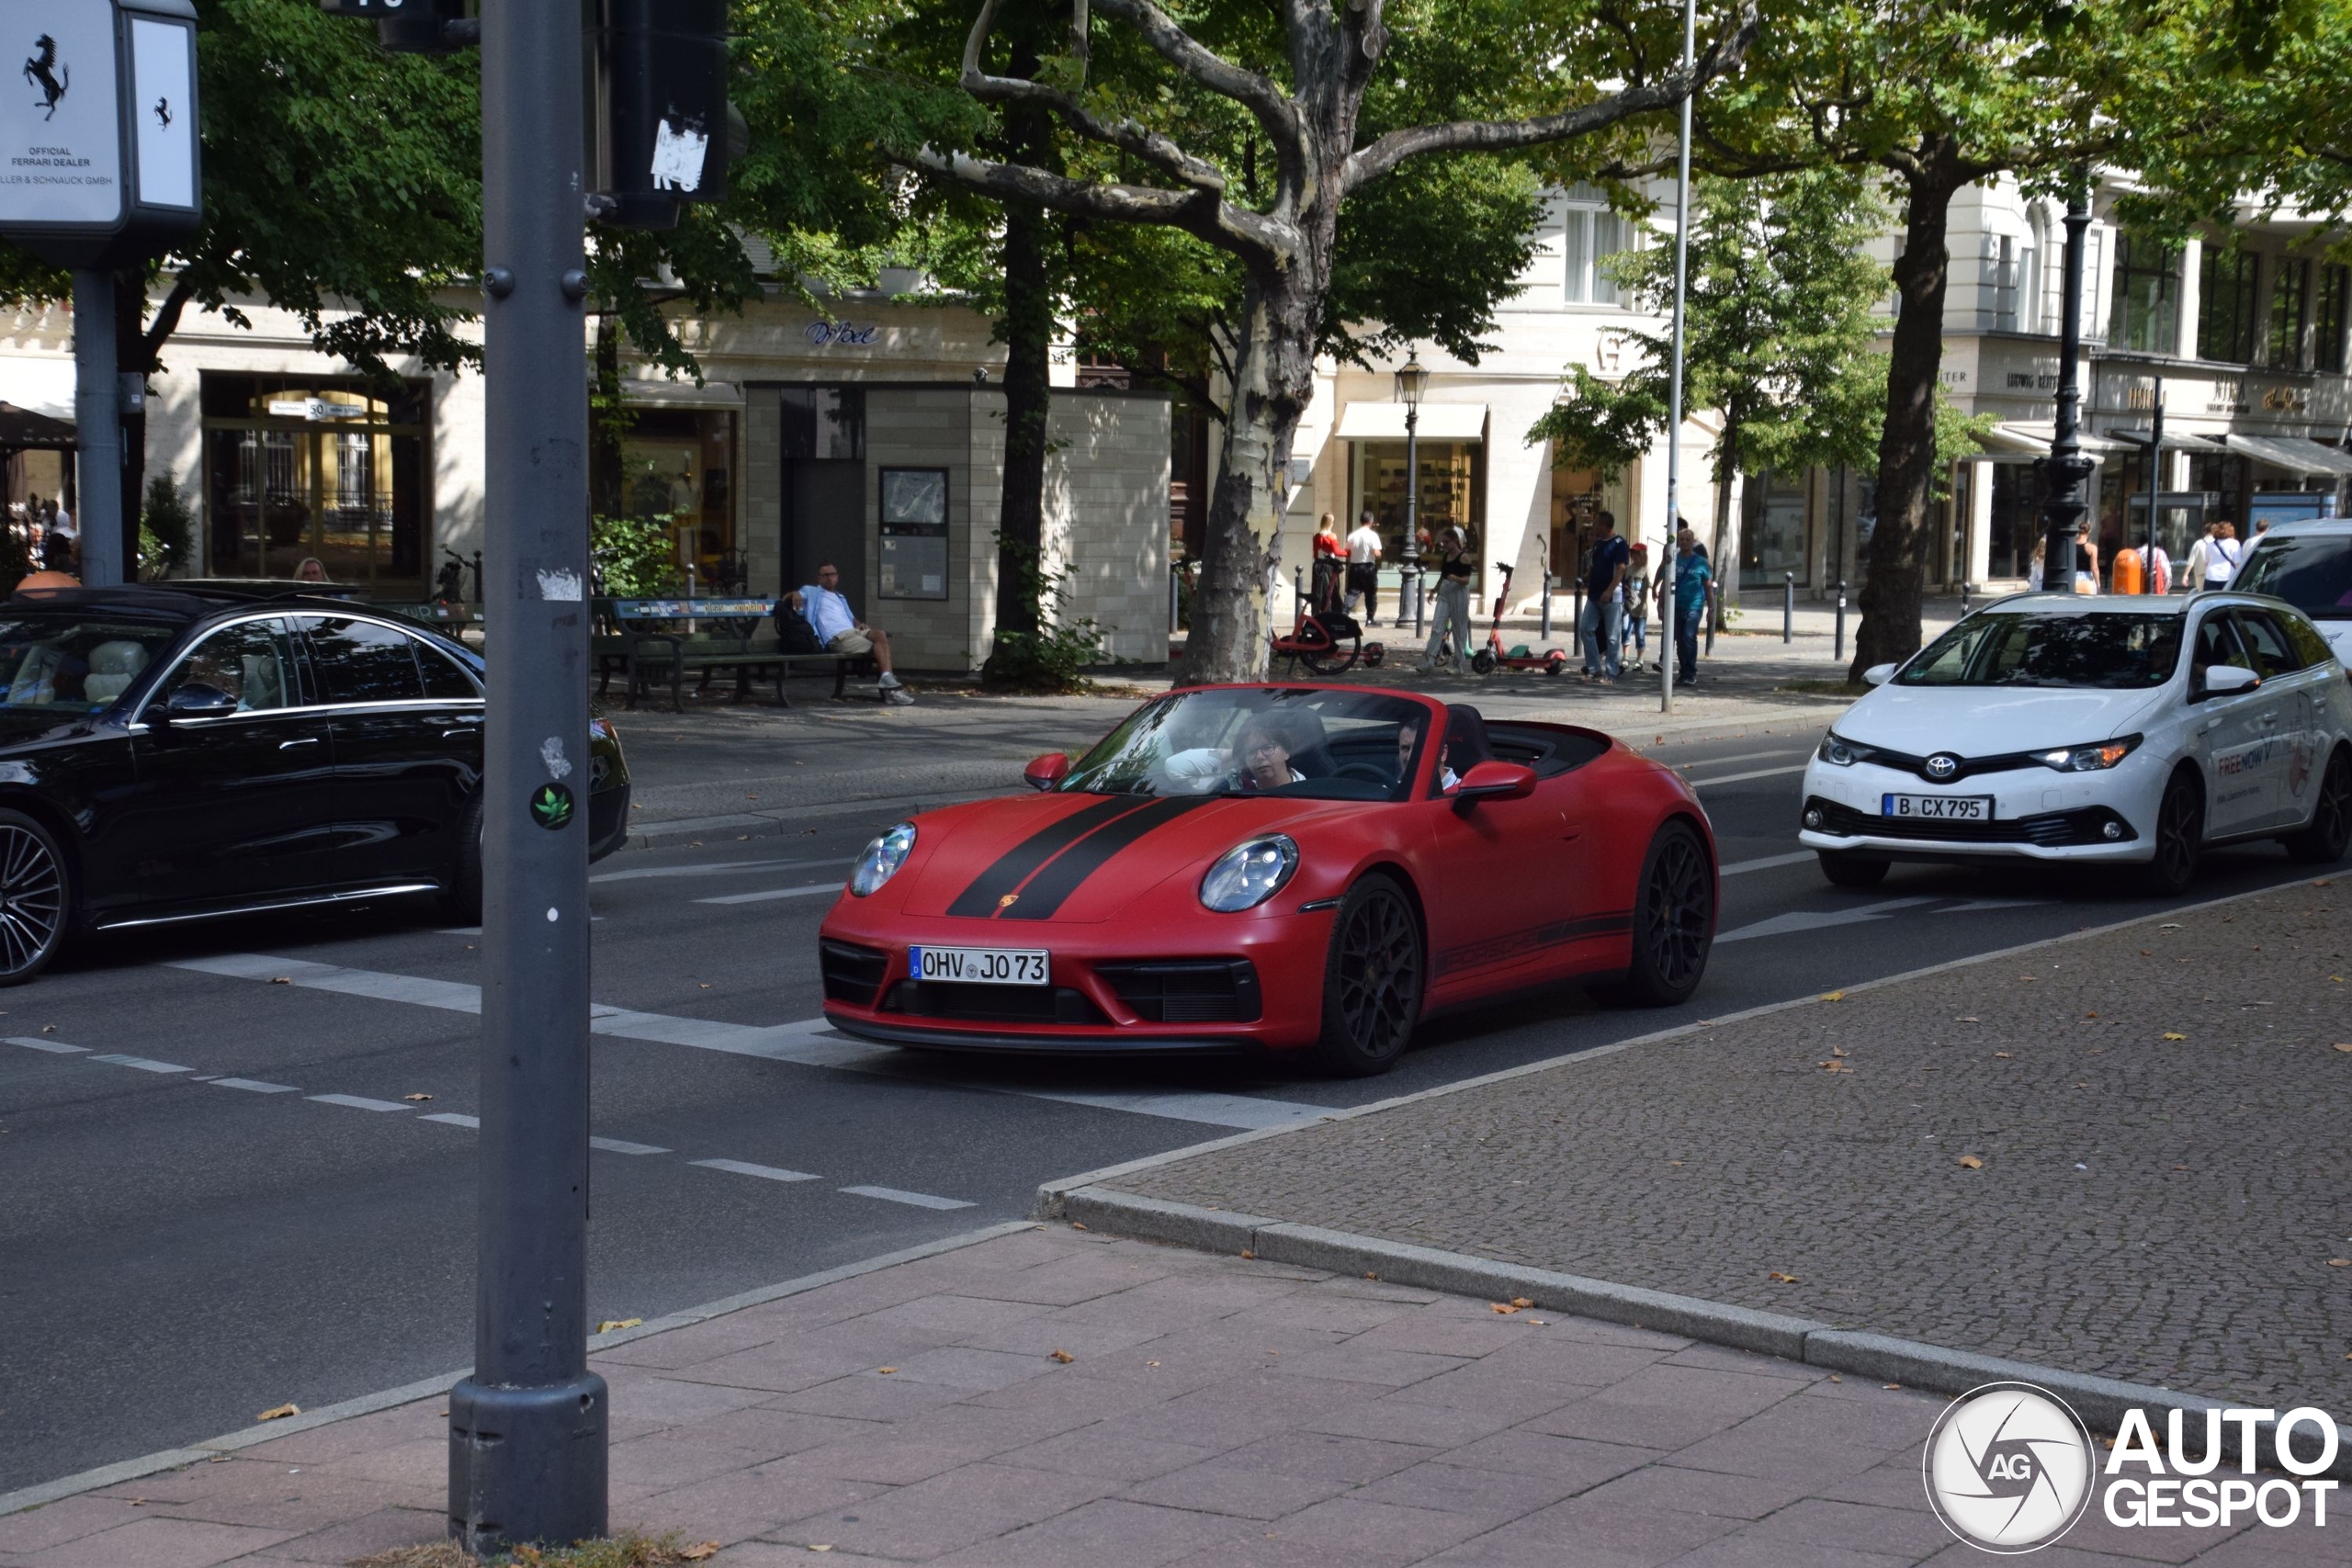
1493,656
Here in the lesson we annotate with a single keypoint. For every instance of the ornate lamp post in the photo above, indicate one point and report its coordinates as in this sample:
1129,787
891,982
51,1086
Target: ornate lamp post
2066,472
1411,382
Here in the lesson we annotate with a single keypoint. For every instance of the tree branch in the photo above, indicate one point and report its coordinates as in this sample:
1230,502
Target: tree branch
1127,135
1200,212
1259,95
167,320
1368,163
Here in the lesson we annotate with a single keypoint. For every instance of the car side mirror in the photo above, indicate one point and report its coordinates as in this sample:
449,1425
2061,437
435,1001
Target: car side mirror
1496,781
2221,679
1879,674
195,700
1047,770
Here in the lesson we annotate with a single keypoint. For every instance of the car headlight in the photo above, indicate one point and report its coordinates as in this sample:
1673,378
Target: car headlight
2098,757
1248,875
882,859
1841,752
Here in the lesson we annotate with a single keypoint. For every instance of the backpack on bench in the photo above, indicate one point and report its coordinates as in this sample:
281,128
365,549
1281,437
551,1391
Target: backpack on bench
793,630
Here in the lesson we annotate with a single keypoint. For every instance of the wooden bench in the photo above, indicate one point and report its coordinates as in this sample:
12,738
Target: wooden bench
649,638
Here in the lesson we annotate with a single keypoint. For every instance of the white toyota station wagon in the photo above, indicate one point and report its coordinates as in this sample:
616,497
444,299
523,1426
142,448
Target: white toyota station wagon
2056,727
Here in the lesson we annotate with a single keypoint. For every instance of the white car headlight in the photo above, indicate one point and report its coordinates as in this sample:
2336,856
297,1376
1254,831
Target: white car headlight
2092,759
1838,751
882,859
1248,875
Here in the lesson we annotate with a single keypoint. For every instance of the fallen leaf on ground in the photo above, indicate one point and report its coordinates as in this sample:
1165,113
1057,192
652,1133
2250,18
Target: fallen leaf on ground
280,1413
886,1371
2343,1045
2169,925
1971,1162
414,1098
2090,1015
1371,1276
816,1548
612,1323
1780,1279
2002,1056
1834,1378
1151,1363
1971,1017
699,1550
2172,1035
1832,996
1895,1385
281,979
1836,1049
1064,1356
1246,1253
1497,1306
2340,1263
1076,1226
1521,1302
1674,1162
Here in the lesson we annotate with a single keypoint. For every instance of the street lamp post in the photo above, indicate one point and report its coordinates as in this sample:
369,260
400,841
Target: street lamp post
1672,617
2066,472
1411,382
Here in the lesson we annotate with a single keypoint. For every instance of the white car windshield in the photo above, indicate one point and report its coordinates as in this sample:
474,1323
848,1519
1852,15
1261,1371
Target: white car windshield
2311,571
1321,745
2111,650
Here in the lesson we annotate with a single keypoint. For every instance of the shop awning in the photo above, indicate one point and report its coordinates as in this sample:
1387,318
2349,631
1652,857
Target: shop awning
1371,421
647,391
2293,454
22,430
2033,441
2175,440
43,385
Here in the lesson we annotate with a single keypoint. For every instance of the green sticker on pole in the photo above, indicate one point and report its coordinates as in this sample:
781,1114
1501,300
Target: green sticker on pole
551,805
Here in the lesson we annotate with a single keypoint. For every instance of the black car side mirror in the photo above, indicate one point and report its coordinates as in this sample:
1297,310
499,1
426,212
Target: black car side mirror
195,700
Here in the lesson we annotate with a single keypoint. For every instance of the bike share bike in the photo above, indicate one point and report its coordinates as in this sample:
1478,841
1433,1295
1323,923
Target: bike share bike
1326,640
1493,656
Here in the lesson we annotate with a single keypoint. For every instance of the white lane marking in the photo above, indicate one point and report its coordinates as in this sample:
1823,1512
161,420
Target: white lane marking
774,893
144,1063
256,1086
919,1199
1813,920
1996,904
452,1118
461,931
1743,778
720,868
1746,757
623,1147
1767,863
744,1167
811,1042
59,1046
360,1102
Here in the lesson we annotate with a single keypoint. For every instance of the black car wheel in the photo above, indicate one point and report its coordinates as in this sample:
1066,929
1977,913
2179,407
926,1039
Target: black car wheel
2330,832
461,899
36,897
2180,837
1372,980
1844,868
1674,919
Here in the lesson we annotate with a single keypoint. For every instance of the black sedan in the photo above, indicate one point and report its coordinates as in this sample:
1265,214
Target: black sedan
170,755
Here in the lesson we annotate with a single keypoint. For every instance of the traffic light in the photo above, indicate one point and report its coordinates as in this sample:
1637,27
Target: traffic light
412,26
660,130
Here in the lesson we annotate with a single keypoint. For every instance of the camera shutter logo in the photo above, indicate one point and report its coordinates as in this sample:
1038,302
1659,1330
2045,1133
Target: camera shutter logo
2008,1468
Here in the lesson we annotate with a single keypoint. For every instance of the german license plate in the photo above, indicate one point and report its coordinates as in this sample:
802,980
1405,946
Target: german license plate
1938,808
980,965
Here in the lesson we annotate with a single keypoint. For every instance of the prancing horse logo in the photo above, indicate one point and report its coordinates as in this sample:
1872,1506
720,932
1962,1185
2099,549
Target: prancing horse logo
42,73
1942,766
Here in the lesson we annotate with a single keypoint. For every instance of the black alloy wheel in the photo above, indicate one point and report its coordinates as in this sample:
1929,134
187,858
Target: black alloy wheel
2325,838
1372,980
35,898
1674,919
2179,837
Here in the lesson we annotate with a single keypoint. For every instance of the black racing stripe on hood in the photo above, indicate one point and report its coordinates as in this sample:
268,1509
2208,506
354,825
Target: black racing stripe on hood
1042,899
1019,863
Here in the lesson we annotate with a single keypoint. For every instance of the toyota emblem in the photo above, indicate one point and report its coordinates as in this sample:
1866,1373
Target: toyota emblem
1942,766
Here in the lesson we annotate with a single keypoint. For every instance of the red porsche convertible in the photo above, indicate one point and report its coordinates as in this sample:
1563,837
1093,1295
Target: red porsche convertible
1295,867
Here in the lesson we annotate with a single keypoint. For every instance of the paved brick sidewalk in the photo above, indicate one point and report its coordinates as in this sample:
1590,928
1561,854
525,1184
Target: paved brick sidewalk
2159,1111
1215,1412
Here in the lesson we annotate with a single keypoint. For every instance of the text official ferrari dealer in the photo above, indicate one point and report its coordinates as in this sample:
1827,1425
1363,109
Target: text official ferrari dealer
1295,867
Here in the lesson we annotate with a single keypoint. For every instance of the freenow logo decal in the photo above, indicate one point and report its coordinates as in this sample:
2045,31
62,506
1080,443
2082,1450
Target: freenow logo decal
2009,1467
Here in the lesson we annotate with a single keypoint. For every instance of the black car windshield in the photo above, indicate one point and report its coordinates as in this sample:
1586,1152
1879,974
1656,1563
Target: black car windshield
1318,744
62,662
2311,571
2108,650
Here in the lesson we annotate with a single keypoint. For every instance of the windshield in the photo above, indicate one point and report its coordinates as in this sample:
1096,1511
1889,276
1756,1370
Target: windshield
1321,745
2311,571
2109,651
69,663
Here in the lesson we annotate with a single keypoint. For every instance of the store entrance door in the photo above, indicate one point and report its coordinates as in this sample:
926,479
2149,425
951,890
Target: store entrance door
824,520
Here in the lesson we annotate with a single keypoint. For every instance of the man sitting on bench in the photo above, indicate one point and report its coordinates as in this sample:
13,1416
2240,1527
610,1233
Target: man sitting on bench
842,633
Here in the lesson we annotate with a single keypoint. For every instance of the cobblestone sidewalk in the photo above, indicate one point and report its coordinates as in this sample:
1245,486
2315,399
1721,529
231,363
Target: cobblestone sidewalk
2122,1154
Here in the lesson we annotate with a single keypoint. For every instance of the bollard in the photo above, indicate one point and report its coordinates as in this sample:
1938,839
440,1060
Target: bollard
1710,611
1298,593
1963,598
1841,620
1175,595
1788,606
1544,634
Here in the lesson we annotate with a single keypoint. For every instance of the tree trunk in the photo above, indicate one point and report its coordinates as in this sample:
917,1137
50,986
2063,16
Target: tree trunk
1895,572
1726,471
1027,330
606,423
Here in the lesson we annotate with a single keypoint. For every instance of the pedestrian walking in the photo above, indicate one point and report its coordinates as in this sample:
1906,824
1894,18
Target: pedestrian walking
1457,565
62,551
2214,558
1330,565
1604,583
1693,588
1363,570
1637,609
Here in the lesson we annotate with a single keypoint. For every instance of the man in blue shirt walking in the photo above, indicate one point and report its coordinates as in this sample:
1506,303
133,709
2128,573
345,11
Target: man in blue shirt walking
837,627
1604,583
1694,582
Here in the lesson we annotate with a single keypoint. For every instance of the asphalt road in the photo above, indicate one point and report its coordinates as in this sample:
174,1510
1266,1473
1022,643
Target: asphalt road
230,1199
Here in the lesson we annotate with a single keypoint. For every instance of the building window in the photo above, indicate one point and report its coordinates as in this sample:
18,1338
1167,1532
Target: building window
2225,315
318,466
1591,234
1772,530
2145,315
2290,292
2001,273
677,468
1452,489
2328,337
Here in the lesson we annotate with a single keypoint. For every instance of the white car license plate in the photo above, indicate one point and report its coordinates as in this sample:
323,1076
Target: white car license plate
980,965
1938,808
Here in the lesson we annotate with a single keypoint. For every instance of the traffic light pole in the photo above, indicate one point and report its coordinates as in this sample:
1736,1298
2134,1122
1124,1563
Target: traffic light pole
527,1430
98,428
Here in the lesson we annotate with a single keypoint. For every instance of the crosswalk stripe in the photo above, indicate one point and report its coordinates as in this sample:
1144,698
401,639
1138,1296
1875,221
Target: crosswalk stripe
745,1167
31,1043
770,895
894,1195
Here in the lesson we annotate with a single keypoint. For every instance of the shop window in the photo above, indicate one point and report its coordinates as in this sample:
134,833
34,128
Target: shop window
1591,235
677,468
330,468
1771,530
1452,489
2016,520
2328,320
1578,498
2225,307
2290,291
2145,313
822,423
